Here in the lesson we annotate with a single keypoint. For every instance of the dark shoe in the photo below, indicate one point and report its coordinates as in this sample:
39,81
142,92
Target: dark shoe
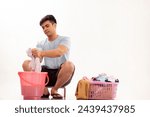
45,96
57,96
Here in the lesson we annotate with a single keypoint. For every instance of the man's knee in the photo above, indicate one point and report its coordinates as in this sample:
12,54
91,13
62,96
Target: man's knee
69,66
25,65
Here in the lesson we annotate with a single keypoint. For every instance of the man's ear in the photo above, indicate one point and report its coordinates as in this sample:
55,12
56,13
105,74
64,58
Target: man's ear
54,24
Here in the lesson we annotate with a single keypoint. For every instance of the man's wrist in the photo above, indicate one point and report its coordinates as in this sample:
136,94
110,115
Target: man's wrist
42,54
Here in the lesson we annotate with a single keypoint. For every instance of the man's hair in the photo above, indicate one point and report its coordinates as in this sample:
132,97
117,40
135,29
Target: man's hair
50,18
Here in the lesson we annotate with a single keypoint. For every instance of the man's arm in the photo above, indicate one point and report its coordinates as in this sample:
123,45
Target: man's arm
59,51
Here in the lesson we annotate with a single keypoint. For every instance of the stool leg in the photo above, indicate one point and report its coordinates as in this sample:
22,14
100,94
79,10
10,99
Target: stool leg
64,93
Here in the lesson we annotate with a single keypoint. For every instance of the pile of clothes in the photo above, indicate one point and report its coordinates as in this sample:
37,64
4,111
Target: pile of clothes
104,78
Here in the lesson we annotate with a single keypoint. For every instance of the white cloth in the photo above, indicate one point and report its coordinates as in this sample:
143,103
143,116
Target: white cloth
35,64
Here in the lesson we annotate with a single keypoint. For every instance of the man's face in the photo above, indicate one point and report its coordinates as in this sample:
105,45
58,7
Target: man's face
49,28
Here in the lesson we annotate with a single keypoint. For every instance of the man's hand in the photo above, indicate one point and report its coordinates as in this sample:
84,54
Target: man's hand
36,53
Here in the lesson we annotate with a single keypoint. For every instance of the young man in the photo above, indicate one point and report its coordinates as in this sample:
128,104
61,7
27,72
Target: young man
55,52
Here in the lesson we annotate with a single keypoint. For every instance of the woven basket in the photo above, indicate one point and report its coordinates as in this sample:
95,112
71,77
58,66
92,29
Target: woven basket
102,90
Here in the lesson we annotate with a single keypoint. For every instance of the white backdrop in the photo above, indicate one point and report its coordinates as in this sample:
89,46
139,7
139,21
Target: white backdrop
108,36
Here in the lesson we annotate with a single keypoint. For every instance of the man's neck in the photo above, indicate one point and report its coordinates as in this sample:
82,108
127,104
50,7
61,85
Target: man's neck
52,37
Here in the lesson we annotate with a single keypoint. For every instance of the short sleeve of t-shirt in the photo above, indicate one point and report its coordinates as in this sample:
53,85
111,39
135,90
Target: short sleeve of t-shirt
66,42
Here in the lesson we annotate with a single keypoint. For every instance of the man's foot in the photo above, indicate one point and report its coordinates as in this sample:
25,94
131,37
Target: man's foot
57,96
45,95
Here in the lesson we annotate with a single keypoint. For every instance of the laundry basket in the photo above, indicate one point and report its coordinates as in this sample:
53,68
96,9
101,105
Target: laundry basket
102,90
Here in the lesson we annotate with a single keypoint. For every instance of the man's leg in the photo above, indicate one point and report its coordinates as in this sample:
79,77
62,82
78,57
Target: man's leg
64,75
25,65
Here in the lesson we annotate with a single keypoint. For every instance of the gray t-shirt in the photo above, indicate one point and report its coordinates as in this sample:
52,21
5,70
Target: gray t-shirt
54,63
